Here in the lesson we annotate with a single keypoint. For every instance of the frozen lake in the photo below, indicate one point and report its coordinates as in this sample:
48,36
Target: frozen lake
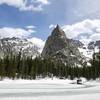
48,90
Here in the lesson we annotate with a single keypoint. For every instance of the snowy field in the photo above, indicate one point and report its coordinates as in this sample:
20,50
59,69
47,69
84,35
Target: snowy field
48,89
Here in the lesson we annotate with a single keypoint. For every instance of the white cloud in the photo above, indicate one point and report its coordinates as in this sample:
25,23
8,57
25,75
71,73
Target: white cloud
26,5
84,28
52,26
95,36
40,43
45,2
21,33
15,3
31,31
14,32
31,8
30,27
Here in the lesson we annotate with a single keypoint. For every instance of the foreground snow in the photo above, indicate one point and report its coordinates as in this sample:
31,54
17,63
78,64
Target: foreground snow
48,89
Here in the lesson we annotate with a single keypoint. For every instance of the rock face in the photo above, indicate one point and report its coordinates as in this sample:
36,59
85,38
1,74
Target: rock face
62,49
93,44
77,43
16,45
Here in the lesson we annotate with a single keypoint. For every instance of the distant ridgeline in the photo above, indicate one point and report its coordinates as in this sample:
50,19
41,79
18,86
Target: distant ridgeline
60,58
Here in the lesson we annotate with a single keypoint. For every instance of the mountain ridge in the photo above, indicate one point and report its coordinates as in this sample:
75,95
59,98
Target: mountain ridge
15,45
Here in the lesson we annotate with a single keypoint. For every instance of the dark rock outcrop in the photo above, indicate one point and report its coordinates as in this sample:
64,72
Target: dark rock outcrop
93,44
61,49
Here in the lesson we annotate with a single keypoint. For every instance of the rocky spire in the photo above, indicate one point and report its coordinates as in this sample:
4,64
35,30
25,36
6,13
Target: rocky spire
58,27
60,48
58,31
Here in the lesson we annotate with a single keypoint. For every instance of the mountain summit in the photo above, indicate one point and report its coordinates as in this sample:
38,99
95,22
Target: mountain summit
58,31
60,48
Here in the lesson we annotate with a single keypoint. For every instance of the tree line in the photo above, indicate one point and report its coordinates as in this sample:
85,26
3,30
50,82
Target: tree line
16,66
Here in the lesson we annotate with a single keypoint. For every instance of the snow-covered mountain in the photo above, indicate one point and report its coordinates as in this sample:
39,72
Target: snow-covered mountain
93,45
57,45
63,49
16,45
88,50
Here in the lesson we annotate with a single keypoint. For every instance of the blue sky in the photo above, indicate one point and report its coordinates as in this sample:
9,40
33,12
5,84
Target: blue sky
80,19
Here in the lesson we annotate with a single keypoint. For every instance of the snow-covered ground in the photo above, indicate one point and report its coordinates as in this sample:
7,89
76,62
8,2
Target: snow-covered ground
48,89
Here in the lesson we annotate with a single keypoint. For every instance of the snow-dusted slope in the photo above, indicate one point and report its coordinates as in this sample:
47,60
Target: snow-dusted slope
16,45
87,52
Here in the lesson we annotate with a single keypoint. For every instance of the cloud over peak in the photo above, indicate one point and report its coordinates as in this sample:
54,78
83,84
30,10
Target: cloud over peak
9,32
15,32
84,30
